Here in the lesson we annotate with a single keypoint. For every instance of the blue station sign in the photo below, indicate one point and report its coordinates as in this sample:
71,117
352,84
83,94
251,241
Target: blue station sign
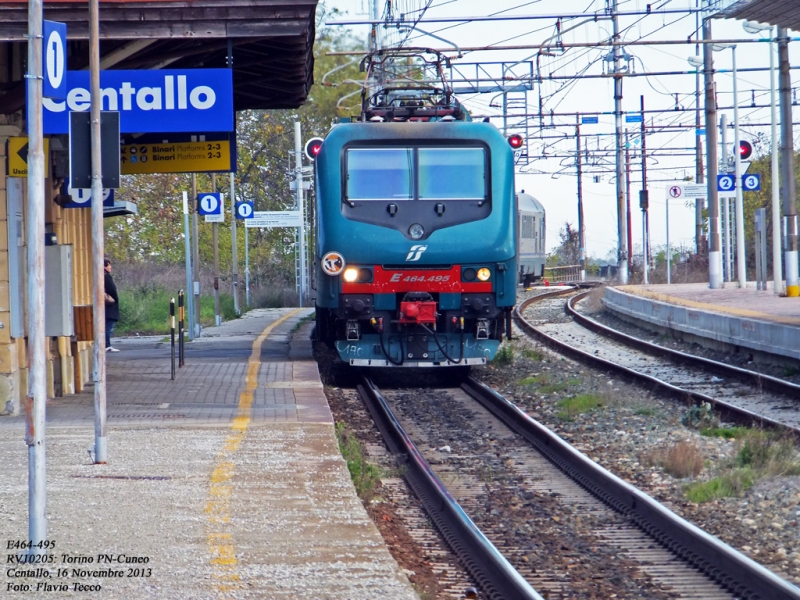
150,101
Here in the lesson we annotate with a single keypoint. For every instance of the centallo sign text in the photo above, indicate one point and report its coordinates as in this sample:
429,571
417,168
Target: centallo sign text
151,101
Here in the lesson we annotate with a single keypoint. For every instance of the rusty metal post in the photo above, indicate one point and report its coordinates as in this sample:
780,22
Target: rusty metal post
791,237
714,245
37,368
98,242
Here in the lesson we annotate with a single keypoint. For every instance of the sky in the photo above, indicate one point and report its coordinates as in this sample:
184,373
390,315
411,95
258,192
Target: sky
550,172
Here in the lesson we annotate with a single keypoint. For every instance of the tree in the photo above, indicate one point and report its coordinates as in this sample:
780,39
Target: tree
265,166
568,251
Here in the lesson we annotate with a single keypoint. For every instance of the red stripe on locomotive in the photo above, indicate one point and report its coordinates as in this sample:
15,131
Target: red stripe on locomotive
386,281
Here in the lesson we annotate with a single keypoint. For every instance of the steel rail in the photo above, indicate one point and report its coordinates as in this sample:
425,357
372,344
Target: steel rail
752,377
730,568
493,573
734,413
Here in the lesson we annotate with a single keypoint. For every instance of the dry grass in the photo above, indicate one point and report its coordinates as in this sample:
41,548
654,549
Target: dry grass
143,278
593,302
681,460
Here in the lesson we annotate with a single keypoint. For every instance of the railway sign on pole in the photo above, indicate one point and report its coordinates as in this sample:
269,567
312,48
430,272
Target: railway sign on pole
244,210
54,84
726,185
210,205
751,183
685,189
274,218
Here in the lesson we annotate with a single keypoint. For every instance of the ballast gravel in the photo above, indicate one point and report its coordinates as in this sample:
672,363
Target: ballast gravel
631,425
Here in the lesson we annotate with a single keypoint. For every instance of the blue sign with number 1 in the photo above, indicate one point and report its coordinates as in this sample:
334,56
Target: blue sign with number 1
209,203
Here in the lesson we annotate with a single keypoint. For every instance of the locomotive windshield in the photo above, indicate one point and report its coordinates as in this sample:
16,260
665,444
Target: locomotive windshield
416,174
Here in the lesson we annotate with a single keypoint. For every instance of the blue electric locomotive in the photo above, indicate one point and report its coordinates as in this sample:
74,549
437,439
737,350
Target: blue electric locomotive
416,223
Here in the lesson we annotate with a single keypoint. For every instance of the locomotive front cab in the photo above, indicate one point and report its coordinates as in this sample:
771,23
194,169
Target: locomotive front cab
418,266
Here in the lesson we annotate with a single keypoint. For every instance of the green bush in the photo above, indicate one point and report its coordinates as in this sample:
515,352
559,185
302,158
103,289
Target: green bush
365,475
571,407
724,486
146,310
504,356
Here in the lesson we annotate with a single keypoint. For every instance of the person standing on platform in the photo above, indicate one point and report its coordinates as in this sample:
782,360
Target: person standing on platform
112,305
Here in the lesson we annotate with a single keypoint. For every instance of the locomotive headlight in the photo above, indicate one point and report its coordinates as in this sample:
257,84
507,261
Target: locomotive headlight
484,274
350,274
416,231
333,263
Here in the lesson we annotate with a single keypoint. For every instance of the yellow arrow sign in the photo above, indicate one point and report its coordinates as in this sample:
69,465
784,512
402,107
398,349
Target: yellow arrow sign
177,157
18,156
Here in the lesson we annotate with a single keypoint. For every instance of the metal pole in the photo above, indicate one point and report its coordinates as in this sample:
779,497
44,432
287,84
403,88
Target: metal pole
187,242
644,200
234,237
181,313
172,337
98,242
195,258
234,252
246,266
298,162
35,404
628,200
699,202
726,231
669,258
581,238
741,266
714,254
789,190
215,243
622,225
777,267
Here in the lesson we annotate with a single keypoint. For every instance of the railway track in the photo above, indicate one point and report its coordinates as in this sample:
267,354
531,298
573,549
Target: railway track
738,394
545,533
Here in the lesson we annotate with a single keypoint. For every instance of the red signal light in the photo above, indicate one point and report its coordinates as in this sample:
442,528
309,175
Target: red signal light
313,146
515,141
745,149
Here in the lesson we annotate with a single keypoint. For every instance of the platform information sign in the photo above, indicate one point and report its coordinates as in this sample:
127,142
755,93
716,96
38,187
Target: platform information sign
685,189
150,100
177,157
274,218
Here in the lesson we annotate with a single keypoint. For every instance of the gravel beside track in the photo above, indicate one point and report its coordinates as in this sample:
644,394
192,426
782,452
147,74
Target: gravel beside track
744,359
633,424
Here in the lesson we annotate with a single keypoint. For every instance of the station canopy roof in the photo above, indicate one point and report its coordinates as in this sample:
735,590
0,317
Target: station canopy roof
272,42
783,13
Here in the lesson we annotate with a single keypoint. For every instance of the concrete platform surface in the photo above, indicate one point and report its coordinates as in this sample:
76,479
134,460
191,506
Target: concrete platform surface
745,302
731,318
225,483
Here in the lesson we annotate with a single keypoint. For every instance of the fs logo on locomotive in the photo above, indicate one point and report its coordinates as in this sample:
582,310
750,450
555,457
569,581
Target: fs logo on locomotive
415,253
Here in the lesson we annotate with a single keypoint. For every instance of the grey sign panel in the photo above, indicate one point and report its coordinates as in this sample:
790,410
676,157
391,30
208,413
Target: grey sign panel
80,149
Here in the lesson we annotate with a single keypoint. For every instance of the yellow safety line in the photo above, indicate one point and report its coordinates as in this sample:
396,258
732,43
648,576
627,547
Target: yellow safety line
220,543
740,312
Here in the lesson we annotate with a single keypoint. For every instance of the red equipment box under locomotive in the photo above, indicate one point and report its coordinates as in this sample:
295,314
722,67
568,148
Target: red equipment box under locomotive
418,312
